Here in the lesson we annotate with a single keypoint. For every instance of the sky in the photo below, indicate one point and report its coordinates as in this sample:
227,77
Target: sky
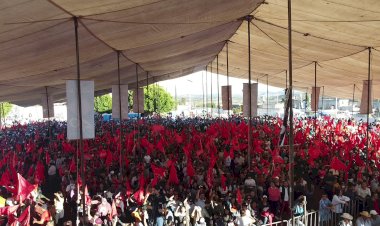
192,84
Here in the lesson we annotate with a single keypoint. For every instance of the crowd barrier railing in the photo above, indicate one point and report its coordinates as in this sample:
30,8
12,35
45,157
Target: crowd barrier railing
310,219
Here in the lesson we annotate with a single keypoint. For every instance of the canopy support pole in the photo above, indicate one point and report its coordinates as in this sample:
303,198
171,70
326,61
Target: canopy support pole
82,169
203,93
249,19
1,116
291,141
120,115
368,100
206,91
267,96
48,112
137,92
353,100
217,82
315,97
211,86
228,82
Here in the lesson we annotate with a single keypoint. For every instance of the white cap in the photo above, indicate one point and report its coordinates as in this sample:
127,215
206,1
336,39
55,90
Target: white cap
373,212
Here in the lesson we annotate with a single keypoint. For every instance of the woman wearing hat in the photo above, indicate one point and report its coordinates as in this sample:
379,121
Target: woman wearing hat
346,220
364,219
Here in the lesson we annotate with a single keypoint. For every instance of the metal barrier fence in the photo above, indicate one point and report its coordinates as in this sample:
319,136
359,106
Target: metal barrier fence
354,207
310,219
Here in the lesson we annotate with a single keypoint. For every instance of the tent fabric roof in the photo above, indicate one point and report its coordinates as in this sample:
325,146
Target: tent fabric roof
172,38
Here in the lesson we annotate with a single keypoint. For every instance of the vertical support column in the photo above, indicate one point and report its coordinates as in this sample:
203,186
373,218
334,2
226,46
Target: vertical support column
206,91
228,82
211,87
249,19
353,101
120,116
369,99
80,119
137,93
315,96
291,141
267,96
1,116
217,82
203,93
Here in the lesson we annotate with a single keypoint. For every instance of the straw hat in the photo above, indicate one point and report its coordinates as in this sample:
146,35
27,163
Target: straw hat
373,212
346,216
365,214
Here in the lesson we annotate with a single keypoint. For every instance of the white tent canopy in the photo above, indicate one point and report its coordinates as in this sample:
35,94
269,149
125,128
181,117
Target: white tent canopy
172,38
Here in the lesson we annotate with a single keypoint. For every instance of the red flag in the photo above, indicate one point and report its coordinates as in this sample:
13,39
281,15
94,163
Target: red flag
238,197
47,156
223,180
5,178
24,218
72,166
8,210
139,196
190,169
173,178
24,188
336,164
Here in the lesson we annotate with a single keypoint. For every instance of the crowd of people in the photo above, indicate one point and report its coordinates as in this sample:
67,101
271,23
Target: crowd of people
158,171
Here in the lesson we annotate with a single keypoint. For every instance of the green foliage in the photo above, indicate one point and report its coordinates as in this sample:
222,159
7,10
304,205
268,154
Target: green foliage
157,100
5,108
103,103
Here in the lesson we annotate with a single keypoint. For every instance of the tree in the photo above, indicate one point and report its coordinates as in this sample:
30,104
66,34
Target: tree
156,99
5,109
103,103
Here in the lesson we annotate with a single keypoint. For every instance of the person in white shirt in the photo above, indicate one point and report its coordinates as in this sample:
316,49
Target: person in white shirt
363,191
58,203
338,201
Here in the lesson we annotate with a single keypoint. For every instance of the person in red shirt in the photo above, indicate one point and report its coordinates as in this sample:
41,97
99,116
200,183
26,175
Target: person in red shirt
274,196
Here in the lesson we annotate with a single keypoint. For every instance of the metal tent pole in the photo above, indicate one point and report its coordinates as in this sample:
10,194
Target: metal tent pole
48,112
267,96
217,82
249,19
80,119
203,93
120,115
228,82
211,86
137,92
353,100
206,91
291,140
368,100
315,96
